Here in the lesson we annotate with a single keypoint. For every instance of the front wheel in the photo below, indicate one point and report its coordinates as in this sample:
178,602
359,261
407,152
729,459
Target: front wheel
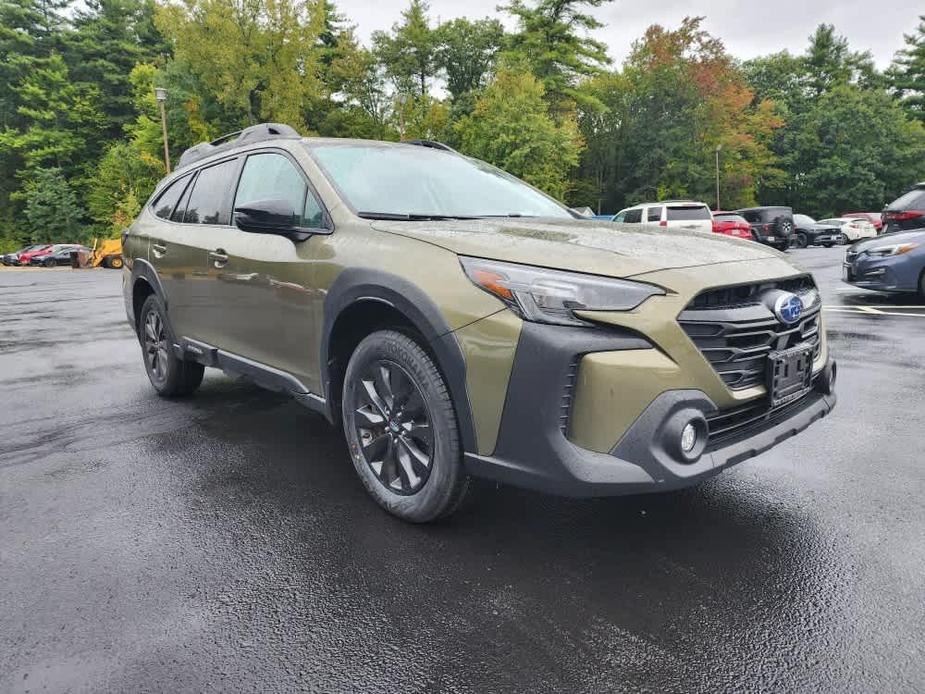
50,262
843,240
170,375
401,429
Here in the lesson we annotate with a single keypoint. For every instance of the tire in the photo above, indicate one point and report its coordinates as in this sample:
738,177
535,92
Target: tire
49,262
169,375
400,426
843,240
922,285
827,245
802,241
115,262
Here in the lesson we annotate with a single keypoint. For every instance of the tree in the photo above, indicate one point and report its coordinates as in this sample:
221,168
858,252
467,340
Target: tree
907,73
466,52
409,53
124,177
510,127
553,38
678,96
52,211
259,58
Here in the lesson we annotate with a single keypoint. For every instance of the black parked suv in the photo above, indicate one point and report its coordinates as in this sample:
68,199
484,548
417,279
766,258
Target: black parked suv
906,212
770,225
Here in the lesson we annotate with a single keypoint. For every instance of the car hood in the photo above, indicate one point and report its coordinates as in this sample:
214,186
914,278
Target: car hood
917,236
601,248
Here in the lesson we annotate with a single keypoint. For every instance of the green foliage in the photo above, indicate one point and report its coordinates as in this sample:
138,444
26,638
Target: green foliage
52,211
124,176
466,53
552,39
409,53
511,128
907,74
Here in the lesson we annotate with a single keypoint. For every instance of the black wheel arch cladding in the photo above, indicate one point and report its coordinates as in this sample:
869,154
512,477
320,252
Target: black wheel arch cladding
360,284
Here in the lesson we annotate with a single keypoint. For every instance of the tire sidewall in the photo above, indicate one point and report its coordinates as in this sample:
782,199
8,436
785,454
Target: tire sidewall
153,303
431,500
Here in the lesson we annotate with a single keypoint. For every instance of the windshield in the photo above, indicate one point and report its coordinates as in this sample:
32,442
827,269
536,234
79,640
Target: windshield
803,219
410,181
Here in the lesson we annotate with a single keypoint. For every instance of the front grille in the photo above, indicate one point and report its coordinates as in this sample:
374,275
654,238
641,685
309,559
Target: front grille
724,425
736,332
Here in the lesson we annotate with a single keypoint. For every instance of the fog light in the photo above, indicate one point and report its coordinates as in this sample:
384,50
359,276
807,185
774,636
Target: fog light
688,437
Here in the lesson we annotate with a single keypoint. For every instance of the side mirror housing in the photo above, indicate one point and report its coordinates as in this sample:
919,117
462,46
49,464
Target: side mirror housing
270,217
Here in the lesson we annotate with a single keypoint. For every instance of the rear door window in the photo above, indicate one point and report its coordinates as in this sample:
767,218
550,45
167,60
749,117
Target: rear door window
687,213
167,201
654,214
633,216
209,203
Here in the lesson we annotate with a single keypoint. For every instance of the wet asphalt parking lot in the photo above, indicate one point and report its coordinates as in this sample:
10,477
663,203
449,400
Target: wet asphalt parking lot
223,542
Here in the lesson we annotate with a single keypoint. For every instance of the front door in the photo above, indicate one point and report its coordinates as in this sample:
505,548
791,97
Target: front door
260,288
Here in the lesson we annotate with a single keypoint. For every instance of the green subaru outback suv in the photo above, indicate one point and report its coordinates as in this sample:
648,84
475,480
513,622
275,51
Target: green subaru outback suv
457,322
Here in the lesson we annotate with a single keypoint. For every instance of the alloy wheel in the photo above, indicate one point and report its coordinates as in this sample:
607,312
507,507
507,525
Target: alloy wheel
393,427
156,345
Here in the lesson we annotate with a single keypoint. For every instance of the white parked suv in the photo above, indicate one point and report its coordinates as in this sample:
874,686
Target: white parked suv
852,228
674,214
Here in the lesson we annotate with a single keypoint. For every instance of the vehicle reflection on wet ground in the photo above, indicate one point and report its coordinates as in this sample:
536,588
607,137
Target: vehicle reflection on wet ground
223,542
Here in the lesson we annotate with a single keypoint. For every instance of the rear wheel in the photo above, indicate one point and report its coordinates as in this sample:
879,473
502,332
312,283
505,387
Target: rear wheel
401,429
115,262
49,262
170,375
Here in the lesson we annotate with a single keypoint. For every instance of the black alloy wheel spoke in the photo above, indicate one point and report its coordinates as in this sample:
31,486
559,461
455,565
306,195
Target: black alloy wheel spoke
393,427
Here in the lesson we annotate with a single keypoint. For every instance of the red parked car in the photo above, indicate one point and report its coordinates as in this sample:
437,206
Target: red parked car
26,256
872,217
732,224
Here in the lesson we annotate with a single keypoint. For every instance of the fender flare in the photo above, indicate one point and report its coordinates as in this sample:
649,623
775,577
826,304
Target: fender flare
364,284
143,270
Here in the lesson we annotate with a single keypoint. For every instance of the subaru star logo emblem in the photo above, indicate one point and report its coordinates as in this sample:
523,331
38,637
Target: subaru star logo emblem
788,308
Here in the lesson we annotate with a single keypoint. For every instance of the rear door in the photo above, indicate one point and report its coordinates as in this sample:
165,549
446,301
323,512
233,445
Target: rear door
690,217
180,253
654,214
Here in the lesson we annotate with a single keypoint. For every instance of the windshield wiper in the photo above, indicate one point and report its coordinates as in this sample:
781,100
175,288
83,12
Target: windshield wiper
410,217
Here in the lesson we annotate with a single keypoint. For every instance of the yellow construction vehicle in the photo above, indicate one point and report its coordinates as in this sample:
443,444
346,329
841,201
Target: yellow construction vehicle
105,253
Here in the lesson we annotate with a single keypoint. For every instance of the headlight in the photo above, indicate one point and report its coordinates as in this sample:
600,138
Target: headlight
896,249
552,296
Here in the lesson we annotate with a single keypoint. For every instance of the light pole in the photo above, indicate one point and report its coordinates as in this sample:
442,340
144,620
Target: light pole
718,148
161,95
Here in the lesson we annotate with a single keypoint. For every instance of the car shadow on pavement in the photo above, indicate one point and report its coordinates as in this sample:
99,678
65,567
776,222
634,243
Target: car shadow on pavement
729,560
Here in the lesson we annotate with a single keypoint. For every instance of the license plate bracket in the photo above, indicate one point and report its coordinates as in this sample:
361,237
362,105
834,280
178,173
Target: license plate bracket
790,374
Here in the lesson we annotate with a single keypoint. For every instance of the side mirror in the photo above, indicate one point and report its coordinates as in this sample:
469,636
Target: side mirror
268,217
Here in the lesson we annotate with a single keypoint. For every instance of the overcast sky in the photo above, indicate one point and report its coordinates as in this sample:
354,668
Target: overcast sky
748,27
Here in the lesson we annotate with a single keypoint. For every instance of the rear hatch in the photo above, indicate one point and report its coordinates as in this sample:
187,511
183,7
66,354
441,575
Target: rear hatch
688,216
906,212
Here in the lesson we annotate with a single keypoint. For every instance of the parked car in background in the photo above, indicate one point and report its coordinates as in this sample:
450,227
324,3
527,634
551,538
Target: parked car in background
13,258
57,256
732,224
770,225
673,214
808,232
906,212
874,218
851,228
894,263
25,257
39,256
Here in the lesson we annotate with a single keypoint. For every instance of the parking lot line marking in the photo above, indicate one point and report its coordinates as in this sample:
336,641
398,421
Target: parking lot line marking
870,311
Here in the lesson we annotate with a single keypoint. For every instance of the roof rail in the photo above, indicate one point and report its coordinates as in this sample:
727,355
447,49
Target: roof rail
255,133
431,144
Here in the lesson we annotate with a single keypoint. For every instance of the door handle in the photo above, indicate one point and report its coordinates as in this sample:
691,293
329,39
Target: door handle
218,257
159,250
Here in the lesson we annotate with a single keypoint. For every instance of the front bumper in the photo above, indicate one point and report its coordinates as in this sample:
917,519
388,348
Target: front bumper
534,450
885,274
